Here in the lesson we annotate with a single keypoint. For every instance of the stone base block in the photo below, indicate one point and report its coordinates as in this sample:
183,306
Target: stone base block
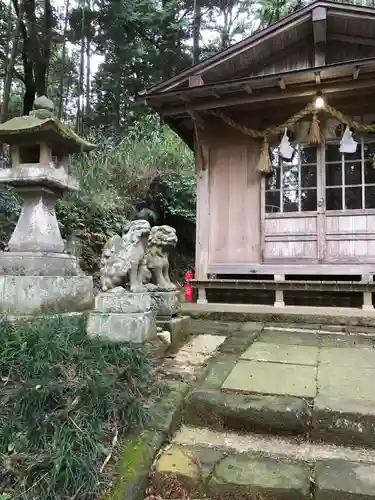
122,327
165,304
119,300
30,295
39,264
179,328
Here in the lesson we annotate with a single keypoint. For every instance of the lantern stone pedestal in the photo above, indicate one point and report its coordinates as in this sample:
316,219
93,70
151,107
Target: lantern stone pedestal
37,275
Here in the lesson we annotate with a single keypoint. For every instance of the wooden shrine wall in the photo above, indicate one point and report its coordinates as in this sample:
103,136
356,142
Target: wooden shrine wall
234,198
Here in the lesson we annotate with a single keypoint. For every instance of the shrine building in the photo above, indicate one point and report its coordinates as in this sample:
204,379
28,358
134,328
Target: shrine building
283,129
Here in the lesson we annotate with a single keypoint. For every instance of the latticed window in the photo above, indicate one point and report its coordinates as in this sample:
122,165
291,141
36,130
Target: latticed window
350,178
344,181
292,187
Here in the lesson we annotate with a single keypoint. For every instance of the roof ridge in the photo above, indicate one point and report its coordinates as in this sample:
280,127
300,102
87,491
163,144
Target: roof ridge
257,35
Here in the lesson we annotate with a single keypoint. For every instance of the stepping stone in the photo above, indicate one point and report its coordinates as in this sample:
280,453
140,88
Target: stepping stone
283,353
352,382
247,412
209,473
292,338
349,422
251,478
346,341
341,480
180,464
203,326
362,357
272,378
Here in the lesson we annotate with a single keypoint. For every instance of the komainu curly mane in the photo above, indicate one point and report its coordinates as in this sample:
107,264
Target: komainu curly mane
162,239
123,258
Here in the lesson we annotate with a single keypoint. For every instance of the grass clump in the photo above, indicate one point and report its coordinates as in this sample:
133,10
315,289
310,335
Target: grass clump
63,398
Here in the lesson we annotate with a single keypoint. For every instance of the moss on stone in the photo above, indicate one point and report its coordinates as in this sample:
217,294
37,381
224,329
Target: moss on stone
217,371
19,128
137,456
165,413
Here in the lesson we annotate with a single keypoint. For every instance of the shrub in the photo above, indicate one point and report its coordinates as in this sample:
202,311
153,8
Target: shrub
151,167
63,399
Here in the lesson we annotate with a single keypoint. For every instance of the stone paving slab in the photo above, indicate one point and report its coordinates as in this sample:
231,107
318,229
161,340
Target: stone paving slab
212,468
282,353
345,481
270,445
251,477
348,357
202,471
349,422
237,344
319,385
349,382
346,341
218,370
292,338
247,412
200,327
252,326
298,326
272,378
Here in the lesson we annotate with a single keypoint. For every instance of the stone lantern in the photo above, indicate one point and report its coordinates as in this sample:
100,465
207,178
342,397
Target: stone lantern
37,274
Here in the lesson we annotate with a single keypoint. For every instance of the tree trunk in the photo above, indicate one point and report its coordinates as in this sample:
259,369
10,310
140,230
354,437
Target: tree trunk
196,31
9,37
81,74
63,61
88,69
36,49
41,63
10,68
29,97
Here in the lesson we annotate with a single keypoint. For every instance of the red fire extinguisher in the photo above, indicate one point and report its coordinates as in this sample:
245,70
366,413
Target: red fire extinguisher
188,288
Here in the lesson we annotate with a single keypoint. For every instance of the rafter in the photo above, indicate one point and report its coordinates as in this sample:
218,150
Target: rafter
319,19
301,90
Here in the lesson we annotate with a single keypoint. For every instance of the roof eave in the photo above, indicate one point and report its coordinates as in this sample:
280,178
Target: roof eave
300,16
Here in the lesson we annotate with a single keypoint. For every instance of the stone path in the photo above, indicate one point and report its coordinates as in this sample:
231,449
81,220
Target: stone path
279,413
305,365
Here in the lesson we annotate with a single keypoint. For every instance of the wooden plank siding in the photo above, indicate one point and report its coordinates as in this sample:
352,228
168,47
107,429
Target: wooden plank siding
337,52
299,58
350,237
291,237
234,194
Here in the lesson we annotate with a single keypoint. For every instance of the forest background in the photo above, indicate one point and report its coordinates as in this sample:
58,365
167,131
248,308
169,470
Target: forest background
92,58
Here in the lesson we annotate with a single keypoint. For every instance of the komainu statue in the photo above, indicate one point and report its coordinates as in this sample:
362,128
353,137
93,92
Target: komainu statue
123,258
161,241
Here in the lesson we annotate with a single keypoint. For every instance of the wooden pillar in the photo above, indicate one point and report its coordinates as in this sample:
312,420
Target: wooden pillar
203,224
367,296
279,294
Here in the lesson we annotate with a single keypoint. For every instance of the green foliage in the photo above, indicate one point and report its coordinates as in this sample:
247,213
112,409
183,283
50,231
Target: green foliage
150,166
63,399
10,207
